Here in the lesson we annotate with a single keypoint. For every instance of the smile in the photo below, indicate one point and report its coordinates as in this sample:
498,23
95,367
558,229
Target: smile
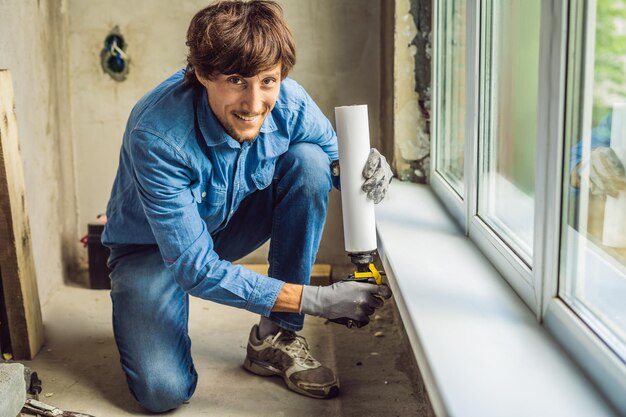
246,118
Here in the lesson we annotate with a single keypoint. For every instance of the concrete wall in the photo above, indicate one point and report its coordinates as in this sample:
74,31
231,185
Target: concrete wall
412,90
31,46
338,62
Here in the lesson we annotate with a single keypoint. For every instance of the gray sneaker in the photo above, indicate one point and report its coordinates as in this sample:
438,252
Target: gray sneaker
287,354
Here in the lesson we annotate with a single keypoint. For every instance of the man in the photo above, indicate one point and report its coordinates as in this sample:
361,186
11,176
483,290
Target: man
215,161
605,170
606,176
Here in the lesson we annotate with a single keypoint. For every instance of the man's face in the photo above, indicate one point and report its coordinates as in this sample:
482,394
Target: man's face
242,104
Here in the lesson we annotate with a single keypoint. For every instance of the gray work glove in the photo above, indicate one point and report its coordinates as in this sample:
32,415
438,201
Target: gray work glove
377,174
606,172
349,299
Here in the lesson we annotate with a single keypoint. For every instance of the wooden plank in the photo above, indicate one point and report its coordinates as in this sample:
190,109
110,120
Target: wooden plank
17,268
320,275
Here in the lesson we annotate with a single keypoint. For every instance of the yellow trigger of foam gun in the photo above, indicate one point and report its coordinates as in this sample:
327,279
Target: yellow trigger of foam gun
365,272
372,273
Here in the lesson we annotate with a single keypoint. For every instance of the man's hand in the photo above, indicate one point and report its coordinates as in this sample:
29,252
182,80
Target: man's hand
377,174
353,300
606,172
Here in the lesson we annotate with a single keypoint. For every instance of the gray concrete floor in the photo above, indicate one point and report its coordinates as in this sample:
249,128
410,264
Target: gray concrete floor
79,364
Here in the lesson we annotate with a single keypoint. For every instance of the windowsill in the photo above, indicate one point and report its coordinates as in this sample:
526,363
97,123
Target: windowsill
480,350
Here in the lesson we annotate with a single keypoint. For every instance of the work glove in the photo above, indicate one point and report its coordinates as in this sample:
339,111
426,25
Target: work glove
606,172
344,299
377,174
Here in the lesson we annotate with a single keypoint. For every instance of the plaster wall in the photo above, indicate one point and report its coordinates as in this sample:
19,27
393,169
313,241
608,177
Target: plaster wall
411,101
31,47
338,47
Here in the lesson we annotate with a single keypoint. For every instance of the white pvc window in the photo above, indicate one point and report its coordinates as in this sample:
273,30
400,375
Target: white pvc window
502,183
592,268
540,79
449,155
593,239
510,64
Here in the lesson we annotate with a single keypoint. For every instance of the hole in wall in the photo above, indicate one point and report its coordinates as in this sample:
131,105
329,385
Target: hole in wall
113,57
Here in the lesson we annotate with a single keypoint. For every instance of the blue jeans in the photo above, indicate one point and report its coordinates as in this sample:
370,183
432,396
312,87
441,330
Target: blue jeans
151,311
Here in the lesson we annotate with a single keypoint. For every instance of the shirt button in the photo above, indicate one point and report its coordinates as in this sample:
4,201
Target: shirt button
203,194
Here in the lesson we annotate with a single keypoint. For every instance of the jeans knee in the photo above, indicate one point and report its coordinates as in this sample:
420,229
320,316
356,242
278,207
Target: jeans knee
310,166
159,395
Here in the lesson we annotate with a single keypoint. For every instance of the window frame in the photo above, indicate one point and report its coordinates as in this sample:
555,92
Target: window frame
565,69
454,203
465,209
563,41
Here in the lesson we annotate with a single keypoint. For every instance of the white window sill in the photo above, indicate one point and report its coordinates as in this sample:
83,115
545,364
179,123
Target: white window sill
480,350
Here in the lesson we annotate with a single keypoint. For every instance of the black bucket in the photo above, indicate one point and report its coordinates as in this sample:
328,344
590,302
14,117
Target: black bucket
98,255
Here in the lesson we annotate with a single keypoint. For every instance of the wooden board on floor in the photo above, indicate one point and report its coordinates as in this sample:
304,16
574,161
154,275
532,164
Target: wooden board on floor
319,276
17,268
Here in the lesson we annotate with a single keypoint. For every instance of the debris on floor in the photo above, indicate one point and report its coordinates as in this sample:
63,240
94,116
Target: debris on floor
12,388
37,408
85,375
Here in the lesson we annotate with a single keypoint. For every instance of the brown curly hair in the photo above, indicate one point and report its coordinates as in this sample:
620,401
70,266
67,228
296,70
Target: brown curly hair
238,37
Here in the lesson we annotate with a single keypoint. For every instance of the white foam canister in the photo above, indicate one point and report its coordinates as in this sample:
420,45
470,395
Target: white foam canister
359,224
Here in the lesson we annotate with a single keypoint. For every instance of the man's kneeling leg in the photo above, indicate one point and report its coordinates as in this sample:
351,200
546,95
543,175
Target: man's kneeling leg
150,313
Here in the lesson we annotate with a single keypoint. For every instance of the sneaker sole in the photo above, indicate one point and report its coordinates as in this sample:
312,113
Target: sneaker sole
259,368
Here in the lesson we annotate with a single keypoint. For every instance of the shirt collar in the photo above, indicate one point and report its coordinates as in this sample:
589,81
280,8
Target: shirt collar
213,132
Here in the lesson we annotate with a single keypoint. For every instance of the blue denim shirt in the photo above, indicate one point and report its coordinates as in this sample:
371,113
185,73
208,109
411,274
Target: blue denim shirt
600,137
181,177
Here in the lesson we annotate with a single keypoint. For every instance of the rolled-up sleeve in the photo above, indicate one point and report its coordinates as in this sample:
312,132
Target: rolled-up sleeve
313,127
600,137
164,181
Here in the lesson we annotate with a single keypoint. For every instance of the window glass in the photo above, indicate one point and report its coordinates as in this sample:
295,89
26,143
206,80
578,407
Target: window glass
510,71
593,259
451,140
